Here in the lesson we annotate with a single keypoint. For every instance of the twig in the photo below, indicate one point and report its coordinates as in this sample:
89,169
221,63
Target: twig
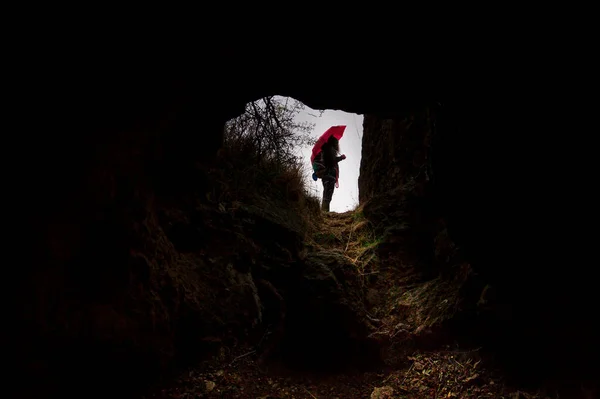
372,318
309,393
398,331
406,375
458,363
241,356
348,243
458,352
263,337
366,274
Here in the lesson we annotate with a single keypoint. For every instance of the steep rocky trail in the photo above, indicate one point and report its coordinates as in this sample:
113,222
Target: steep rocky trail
382,355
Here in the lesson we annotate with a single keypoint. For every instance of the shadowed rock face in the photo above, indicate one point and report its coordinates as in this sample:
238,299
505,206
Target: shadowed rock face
326,329
100,266
426,168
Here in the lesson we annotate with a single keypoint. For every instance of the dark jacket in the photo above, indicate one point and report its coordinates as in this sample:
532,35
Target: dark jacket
322,171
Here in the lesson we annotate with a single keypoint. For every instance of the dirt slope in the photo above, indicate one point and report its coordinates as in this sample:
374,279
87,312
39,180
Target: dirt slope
401,314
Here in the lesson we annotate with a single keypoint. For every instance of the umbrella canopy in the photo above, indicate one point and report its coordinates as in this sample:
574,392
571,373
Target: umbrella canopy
335,131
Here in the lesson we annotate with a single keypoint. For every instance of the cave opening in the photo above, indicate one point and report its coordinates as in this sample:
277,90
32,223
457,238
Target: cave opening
286,125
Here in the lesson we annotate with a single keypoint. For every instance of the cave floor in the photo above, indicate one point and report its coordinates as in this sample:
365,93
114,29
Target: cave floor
443,373
438,374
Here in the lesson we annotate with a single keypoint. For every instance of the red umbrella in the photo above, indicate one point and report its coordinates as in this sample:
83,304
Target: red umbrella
335,131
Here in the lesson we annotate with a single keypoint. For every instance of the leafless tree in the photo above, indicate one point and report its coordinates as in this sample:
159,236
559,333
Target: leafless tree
272,130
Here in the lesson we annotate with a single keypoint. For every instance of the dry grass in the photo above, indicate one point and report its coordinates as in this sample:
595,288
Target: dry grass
412,306
449,374
274,187
352,235
431,302
407,303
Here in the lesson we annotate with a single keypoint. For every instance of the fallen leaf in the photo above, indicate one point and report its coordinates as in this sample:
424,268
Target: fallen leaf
210,385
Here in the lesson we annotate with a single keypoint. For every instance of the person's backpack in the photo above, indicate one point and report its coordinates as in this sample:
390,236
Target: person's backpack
319,168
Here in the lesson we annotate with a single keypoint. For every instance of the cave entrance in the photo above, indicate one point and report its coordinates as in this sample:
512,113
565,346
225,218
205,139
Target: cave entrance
345,198
285,126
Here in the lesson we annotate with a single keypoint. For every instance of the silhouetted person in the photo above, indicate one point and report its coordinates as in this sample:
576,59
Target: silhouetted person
327,169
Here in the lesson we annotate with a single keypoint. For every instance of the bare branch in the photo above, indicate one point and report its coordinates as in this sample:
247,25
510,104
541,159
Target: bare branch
271,127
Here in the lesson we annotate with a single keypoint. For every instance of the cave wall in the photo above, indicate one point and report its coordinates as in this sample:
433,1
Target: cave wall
396,188
394,151
109,284
438,169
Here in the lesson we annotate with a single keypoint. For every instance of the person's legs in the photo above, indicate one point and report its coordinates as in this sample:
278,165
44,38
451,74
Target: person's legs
328,187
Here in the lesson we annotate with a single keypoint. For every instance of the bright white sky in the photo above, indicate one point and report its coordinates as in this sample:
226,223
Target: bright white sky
346,196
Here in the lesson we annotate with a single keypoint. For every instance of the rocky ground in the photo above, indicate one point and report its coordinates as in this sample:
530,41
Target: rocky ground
441,374
396,317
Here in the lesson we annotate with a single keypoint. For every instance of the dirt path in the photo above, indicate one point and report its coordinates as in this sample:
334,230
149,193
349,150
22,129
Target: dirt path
443,373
